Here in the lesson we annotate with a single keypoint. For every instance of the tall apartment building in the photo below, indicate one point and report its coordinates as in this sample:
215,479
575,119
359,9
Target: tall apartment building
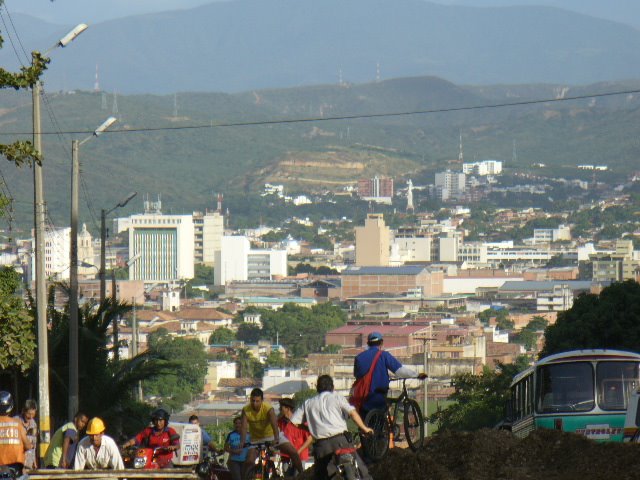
372,242
376,189
450,184
208,231
57,245
620,265
161,246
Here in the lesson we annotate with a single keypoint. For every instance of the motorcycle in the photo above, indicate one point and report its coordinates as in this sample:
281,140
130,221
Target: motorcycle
146,458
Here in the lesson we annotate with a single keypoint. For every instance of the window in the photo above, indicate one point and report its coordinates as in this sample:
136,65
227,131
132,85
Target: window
616,381
565,387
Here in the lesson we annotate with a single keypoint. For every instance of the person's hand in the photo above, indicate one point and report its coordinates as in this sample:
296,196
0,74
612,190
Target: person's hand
422,376
367,430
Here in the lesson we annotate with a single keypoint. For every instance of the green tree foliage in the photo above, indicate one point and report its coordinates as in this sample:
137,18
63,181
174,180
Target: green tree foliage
17,333
608,320
248,365
189,368
222,336
106,386
22,152
479,400
275,359
301,330
249,333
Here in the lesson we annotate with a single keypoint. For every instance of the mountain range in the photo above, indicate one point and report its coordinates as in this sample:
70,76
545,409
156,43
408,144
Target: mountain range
256,44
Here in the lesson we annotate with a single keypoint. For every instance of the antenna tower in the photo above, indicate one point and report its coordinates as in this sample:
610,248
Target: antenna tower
114,107
175,105
461,152
96,85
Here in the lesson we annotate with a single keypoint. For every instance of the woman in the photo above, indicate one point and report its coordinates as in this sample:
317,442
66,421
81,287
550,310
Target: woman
28,419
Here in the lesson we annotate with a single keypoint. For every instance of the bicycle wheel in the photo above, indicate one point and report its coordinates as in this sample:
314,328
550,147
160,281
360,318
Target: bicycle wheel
413,424
376,445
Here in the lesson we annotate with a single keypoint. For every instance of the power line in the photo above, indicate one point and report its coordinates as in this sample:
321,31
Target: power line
212,125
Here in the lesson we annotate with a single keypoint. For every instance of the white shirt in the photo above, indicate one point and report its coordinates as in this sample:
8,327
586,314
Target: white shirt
106,457
326,414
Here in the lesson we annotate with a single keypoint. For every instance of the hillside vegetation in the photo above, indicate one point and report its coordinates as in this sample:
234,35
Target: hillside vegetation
186,165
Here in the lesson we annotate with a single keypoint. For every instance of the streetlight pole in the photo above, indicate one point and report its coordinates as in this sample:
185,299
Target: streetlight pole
74,387
103,241
39,232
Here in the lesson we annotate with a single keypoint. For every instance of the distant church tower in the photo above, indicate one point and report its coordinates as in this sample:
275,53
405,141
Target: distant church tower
410,196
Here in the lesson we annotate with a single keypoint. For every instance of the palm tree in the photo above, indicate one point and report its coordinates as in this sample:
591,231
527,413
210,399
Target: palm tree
106,385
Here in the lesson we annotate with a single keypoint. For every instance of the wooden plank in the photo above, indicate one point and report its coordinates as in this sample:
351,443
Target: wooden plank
59,474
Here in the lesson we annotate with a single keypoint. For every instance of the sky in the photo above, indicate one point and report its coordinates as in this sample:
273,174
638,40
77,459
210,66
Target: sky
68,12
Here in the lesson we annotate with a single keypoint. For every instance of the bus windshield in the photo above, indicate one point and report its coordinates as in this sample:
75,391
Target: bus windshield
616,381
565,387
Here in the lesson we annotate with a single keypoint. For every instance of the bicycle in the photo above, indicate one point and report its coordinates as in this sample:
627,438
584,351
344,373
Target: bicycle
344,460
386,424
268,462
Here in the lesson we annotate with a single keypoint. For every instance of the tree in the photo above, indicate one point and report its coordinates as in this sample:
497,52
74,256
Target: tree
17,330
276,359
189,361
609,320
106,386
479,399
249,333
222,336
22,152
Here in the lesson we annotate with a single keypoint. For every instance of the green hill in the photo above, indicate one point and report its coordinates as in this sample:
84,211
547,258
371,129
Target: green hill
187,165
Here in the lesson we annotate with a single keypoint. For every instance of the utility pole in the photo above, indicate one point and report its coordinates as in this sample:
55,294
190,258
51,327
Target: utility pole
425,361
74,384
134,346
114,297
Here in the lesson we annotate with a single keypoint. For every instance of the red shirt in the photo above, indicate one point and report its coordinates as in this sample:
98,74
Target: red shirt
296,435
151,438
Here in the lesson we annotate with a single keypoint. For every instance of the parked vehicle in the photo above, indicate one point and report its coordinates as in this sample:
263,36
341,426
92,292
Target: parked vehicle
581,391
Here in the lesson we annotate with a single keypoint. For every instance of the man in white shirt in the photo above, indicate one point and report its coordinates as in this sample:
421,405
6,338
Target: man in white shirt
326,417
97,451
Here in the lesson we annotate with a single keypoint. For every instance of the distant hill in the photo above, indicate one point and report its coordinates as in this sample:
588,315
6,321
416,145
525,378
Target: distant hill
187,165
255,44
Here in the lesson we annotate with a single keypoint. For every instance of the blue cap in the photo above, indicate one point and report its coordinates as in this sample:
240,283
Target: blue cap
374,337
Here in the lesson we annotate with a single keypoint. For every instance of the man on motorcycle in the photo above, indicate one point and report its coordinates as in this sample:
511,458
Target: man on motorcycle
326,416
13,437
159,435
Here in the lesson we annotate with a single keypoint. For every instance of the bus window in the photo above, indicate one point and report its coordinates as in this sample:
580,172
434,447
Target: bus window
616,381
565,387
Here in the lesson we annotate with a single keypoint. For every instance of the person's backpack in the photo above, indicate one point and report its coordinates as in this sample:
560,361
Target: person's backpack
361,387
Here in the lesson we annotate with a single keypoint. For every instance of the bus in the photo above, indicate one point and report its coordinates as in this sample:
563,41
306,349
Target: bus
580,391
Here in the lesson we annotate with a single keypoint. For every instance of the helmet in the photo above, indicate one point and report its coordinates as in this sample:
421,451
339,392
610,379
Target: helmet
95,426
6,403
160,414
203,469
287,402
374,337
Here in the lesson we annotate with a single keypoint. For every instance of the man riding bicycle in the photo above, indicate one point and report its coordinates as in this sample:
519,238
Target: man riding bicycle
385,363
259,420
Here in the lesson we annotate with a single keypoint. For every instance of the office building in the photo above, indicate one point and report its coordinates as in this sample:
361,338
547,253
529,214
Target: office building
373,241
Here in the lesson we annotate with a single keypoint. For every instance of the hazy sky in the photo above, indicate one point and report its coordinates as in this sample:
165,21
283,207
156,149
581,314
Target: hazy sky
70,12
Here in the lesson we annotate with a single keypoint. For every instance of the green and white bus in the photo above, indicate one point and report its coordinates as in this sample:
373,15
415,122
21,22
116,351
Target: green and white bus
581,391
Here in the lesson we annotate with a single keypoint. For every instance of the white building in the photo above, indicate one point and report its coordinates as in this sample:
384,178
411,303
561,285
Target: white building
57,245
450,184
237,262
548,235
161,246
485,167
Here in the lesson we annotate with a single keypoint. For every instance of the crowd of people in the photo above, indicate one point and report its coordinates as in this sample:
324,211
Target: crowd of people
319,423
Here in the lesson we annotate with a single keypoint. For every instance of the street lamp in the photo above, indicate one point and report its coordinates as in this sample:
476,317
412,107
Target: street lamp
39,229
73,272
103,241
